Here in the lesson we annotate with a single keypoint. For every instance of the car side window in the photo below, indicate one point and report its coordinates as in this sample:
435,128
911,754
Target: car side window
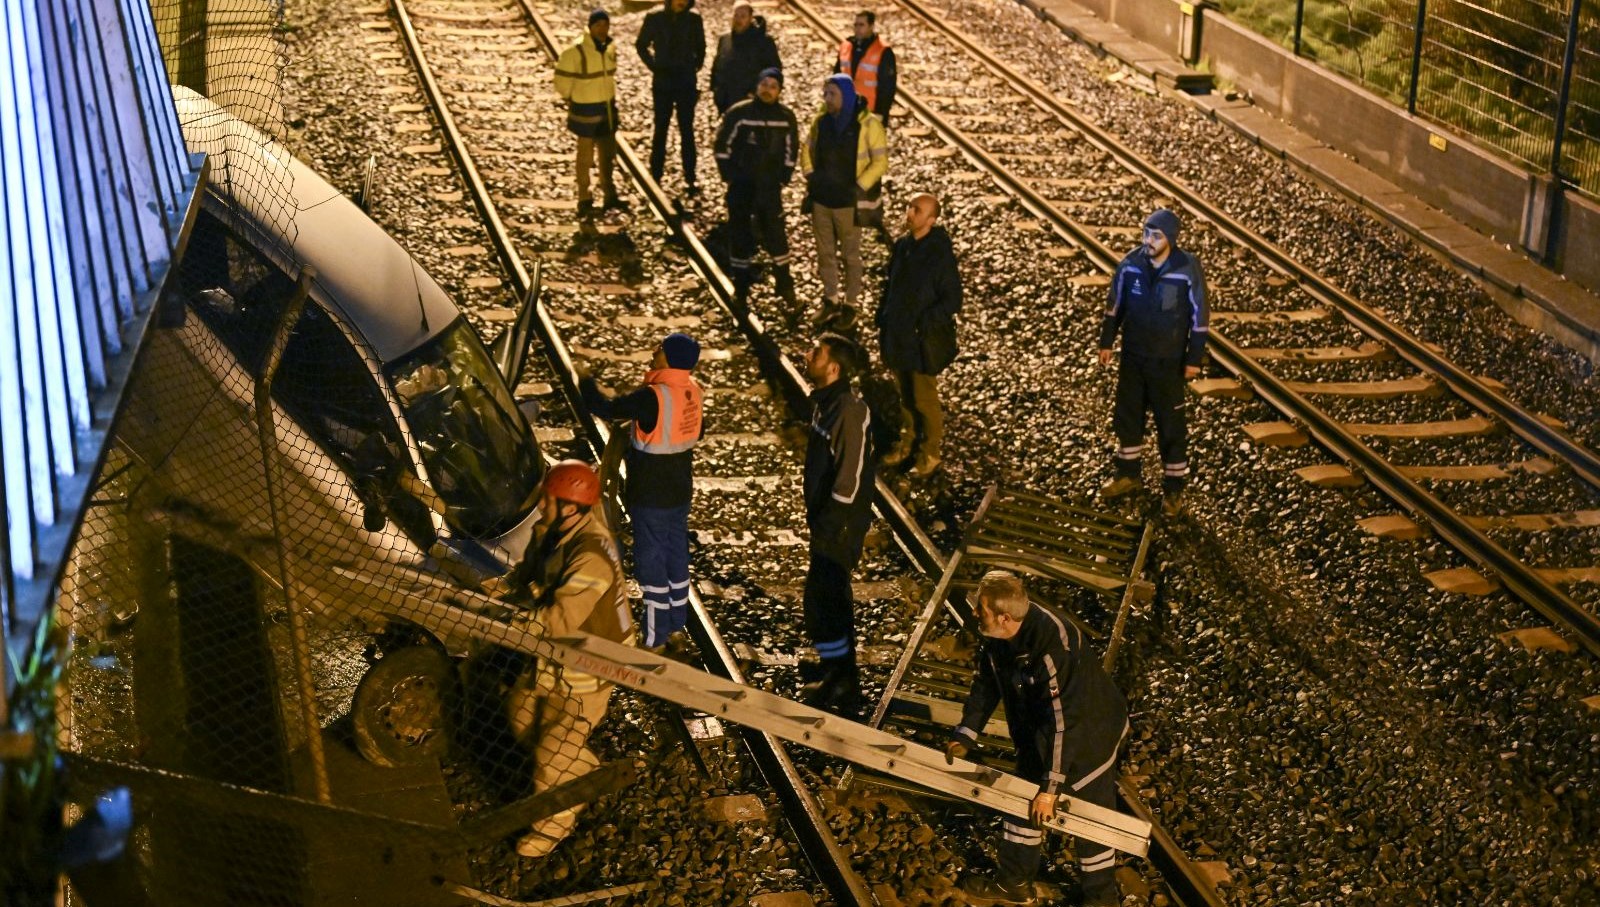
237,293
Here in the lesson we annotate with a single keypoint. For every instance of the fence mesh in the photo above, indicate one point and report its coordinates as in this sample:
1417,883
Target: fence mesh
1490,69
271,649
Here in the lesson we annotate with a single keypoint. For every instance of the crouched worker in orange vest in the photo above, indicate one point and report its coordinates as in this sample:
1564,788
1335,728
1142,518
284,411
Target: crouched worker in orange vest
569,579
666,416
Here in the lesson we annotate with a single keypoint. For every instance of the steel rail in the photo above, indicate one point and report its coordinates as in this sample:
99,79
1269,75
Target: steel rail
801,808
1518,577
1182,876
1585,463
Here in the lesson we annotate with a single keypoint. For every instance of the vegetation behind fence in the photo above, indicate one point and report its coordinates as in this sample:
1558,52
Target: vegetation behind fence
1490,69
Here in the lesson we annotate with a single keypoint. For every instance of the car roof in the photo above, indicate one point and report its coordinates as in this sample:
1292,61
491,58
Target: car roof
377,286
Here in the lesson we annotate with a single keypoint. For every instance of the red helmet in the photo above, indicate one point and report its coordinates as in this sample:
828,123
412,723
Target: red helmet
574,481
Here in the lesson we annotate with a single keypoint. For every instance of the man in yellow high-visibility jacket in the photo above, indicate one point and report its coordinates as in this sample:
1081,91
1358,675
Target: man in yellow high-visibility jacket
586,76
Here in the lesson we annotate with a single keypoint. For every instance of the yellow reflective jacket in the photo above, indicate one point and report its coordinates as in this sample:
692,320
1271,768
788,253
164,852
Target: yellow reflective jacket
586,77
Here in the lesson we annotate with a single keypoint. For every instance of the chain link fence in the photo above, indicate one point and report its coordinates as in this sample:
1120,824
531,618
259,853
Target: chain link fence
1495,70
271,648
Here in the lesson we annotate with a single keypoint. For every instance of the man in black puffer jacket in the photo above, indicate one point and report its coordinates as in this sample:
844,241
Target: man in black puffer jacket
741,56
672,43
917,330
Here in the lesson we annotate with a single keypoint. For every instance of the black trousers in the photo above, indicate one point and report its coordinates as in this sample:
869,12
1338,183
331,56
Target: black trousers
673,97
1154,386
755,208
1091,776
830,610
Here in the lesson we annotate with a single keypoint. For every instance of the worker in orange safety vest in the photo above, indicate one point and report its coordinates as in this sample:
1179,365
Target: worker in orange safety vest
869,60
666,412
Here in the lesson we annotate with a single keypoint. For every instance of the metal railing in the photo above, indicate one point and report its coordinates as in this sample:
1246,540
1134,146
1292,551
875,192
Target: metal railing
1520,76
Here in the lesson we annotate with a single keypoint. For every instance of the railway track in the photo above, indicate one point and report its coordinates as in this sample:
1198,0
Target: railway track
426,27
1076,208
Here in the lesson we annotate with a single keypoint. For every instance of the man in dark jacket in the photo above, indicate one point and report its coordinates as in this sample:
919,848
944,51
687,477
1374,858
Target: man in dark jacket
869,60
838,496
1066,720
672,44
757,148
741,56
917,330
666,414
1158,301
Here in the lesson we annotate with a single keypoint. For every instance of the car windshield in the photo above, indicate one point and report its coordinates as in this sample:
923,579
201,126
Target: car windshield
480,455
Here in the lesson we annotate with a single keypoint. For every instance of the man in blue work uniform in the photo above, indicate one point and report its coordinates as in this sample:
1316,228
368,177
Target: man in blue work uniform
838,498
1158,300
757,148
1067,721
666,412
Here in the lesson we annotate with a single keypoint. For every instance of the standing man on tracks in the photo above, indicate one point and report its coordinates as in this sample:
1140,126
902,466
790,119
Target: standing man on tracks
569,579
742,54
757,148
672,44
667,424
869,61
1067,721
1158,300
586,77
844,158
917,330
838,497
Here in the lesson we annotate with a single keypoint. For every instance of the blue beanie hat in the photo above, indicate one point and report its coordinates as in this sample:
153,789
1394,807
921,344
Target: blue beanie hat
681,351
771,72
847,88
599,15
1166,222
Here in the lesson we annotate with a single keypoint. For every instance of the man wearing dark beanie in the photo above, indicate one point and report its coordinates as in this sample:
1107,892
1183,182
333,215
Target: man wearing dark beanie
666,416
586,77
1158,301
757,148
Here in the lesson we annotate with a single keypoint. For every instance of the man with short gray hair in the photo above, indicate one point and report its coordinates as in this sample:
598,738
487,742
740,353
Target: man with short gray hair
1066,719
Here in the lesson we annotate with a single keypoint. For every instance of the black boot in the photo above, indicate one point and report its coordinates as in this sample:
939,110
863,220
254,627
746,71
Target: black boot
839,691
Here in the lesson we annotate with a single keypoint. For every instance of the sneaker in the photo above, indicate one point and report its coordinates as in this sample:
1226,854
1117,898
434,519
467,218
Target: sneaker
830,311
1172,504
989,891
845,319
927,464
1116,488
616,203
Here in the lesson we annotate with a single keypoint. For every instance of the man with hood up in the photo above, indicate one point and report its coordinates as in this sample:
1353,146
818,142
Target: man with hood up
1158,301
741,56
844,158
917,330
672,44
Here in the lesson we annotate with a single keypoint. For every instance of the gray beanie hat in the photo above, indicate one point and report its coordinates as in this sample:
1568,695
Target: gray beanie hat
1165,221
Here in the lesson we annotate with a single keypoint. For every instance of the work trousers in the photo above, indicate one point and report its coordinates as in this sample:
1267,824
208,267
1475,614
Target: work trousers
1091,777
920,411
661,565
755,209
555,726
670,97
830,612
607,146
1154,386
836,233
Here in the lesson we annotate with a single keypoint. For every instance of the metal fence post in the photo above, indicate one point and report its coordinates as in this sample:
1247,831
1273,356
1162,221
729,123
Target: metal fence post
1299,22
1564,96
1416,57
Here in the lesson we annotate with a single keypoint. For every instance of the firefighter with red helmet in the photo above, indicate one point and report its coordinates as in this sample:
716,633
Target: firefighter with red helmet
569,580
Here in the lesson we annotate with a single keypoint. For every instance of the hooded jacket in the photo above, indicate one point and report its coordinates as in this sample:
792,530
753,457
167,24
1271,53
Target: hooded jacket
672,45
1162,312
846,176
740,58
920,300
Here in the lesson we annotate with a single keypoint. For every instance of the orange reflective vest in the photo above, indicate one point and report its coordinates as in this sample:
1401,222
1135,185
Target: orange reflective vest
678,407
864,74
